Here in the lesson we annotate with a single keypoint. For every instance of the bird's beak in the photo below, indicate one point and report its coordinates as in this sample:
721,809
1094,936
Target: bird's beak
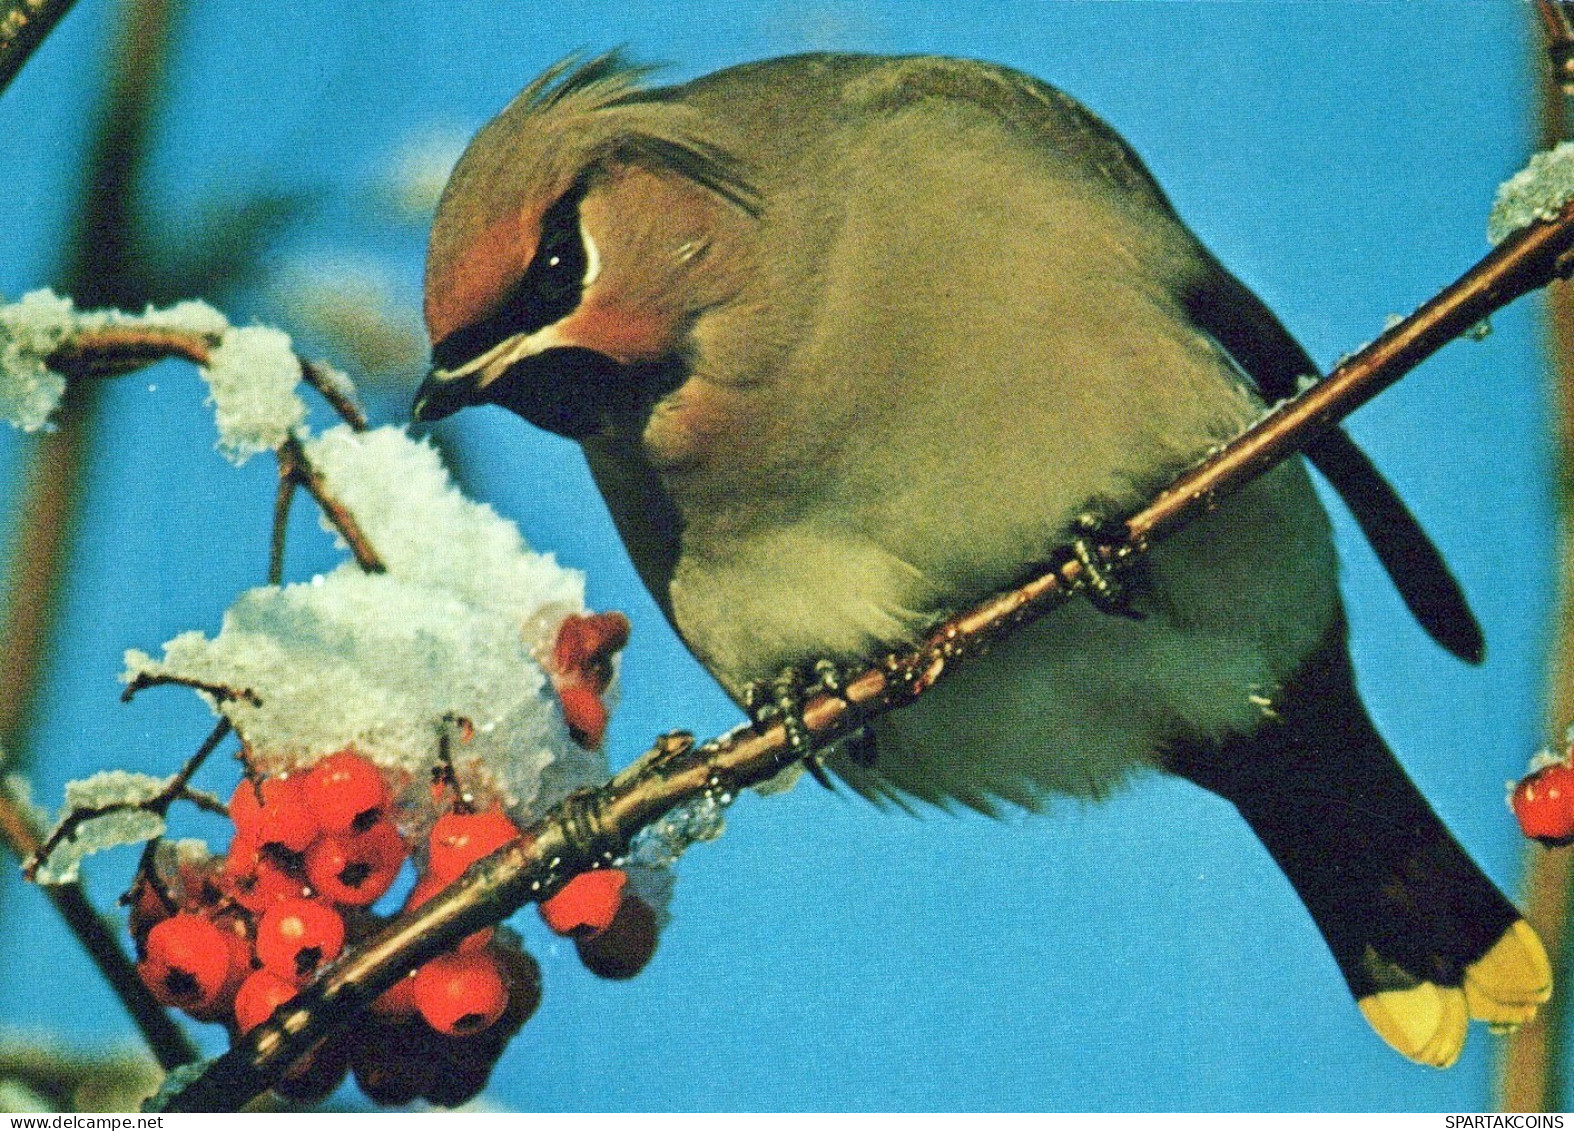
564,389
443,395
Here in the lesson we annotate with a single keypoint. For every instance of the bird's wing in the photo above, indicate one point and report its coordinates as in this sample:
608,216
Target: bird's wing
1218,303
1240,322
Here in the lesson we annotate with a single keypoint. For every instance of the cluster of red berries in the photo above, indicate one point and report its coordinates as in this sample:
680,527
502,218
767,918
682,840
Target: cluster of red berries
1543,801
233,939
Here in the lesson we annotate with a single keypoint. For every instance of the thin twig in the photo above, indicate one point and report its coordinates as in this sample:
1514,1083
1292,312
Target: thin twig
222,692
176,789
20,833
316,375
117,350
593,827
23,26
302,470
281,521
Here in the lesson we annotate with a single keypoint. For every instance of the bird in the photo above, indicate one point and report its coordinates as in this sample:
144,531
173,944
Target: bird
851,342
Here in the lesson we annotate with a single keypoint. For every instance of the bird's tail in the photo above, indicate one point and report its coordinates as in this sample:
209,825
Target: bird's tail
1424,939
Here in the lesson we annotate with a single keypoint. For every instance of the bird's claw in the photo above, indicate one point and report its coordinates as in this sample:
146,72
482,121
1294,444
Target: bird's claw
782,699
1099,580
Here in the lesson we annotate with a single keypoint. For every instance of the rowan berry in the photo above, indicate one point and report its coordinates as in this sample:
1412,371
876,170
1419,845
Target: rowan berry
522,973
259,996
584,714
460,839
149,907
265,884
587,904
187,962
585,646
460,994
1544,804
296,937
241,965
356,868
313,1077
345,792
626,946
273,811
397,1001
394,1063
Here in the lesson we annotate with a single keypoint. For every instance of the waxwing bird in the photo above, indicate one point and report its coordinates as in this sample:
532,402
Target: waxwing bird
852,342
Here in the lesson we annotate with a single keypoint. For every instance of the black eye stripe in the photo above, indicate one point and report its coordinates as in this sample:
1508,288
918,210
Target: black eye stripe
547,292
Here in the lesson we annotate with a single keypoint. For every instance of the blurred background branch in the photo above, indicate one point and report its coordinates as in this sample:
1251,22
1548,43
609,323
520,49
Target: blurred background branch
1531,1076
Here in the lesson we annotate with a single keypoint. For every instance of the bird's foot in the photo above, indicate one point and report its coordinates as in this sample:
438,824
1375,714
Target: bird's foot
1100,579
781,700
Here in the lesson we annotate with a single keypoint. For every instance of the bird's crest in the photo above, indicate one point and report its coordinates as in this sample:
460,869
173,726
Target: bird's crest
577,114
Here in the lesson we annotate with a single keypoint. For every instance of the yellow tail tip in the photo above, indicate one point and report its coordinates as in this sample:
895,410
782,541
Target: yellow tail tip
1504,988
1426,1023
1506,984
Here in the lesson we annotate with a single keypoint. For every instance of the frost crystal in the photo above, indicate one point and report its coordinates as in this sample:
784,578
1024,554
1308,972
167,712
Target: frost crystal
113,787
191,317
121,826
42,321
660,843
380,661
427,532
1537,192
252,375
31,330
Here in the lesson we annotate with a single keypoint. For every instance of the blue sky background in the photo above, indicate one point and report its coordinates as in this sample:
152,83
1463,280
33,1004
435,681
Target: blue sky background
1141,954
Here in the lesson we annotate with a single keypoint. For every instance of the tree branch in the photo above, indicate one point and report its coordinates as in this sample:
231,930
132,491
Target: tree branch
24,24
117,350
20,833
178,789
594,827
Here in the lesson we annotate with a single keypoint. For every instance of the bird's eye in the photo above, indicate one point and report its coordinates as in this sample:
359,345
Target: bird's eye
557,274
548,292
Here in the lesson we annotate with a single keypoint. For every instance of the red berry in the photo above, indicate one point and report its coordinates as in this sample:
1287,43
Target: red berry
267,884
279,816
1544,804
313,1077
584,713
149,908
296,937
356,868
624,948
460,994
397,1001
460,839
461,1076
394,1063
244,851
187,963
259,996
240,968
585,646
523,975
345,792
425,889
587,904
